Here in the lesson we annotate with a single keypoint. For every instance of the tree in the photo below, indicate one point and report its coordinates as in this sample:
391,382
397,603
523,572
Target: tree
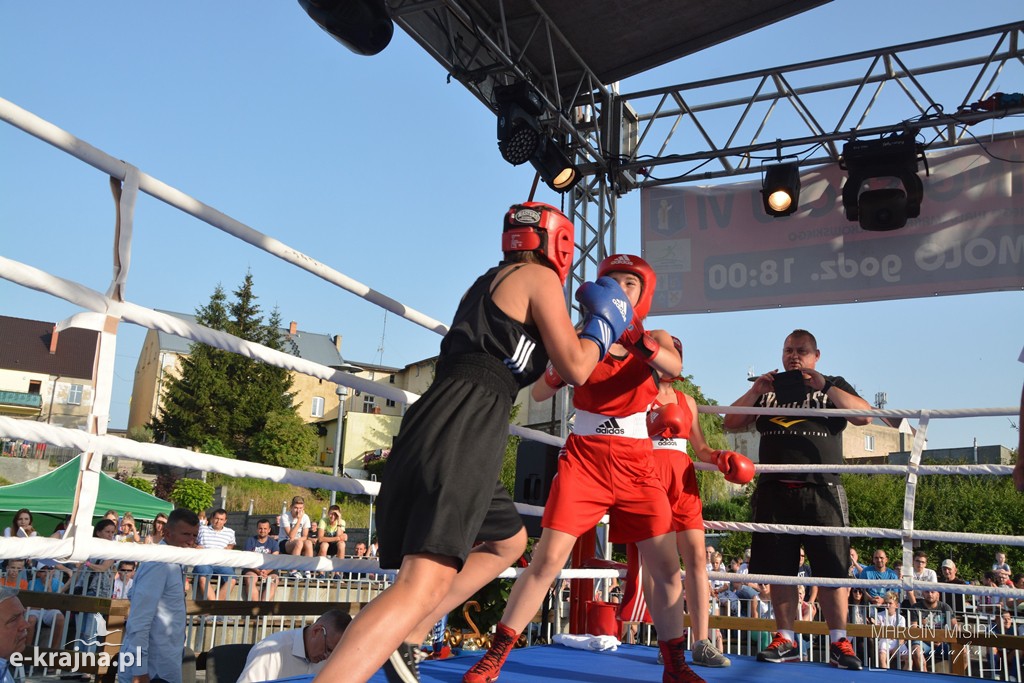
192,494
222,398
285,441
712,486
507,476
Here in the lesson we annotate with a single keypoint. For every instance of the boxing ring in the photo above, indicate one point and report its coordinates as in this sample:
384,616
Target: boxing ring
104,312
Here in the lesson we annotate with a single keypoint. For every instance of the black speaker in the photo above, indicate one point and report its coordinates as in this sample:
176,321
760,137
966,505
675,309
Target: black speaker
536,464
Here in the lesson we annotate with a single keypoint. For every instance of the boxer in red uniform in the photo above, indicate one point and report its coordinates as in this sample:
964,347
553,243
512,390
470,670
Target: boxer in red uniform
672,420
440,492
607,466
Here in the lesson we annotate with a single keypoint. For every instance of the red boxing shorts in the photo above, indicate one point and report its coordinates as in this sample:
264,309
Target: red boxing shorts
676,470
608,474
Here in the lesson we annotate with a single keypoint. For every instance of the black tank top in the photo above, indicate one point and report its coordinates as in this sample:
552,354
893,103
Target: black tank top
481,327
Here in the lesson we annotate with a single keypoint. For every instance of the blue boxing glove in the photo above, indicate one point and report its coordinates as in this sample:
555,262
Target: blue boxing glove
607,312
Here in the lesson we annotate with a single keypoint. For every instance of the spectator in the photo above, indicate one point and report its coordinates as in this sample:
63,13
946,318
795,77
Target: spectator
259,583
991,604
372,550
124,580
932,615
112,516
217,536
156,618
294,532
296,652
21,525
158,529
1000,564
956,600
762,609
128,533
1005,663
49,580
95,579
878,572
921,573
889,647
331,542
792,498
855,565
14,630
14,574
805,570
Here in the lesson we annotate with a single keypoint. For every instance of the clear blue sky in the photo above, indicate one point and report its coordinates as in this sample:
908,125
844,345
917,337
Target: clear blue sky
384,171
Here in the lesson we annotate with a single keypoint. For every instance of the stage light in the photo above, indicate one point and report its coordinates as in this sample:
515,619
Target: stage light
780,190
519,131
555,167
884,208
362,26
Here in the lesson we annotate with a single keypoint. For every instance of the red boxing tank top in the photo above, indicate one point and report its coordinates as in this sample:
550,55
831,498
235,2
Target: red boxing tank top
617,387
681,400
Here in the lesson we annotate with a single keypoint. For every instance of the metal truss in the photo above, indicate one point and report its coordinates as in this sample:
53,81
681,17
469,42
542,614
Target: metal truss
734,129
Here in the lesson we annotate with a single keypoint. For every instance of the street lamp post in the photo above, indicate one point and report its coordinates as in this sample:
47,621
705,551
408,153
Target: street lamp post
342,393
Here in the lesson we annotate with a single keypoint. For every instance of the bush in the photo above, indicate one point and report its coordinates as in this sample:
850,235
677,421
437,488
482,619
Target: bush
192,494
374,462
141,484
141,433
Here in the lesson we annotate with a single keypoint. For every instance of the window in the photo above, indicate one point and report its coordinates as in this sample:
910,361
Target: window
75,395
391,379
390,403
35,386
318,406
369,403
869,442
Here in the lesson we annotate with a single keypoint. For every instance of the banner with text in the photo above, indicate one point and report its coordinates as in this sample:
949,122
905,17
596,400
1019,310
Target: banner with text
715,249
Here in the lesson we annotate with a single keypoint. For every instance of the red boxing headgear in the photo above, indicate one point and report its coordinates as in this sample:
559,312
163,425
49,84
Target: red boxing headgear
679,349
535,226
627,263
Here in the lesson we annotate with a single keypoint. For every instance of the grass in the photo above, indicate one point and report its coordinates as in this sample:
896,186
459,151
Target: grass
268,496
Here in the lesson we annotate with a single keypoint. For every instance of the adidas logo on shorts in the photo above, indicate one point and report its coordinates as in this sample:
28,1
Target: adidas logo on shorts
610,426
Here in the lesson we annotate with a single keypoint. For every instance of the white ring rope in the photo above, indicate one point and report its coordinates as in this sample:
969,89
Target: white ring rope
107,310
61,139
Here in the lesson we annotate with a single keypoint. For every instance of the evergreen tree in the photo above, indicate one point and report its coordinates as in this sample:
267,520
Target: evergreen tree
222,397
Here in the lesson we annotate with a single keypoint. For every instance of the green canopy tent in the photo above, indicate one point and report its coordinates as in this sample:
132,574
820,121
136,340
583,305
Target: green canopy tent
51,497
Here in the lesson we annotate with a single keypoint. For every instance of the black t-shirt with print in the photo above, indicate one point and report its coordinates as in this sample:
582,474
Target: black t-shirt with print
802,440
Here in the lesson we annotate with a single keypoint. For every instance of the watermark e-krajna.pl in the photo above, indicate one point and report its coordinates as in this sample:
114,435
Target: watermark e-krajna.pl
75,661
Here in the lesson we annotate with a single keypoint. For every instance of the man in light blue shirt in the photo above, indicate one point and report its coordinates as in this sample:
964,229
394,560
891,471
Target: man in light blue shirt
154,637
13,630
879,571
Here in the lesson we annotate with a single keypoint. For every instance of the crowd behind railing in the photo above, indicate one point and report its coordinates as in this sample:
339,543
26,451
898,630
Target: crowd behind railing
938,617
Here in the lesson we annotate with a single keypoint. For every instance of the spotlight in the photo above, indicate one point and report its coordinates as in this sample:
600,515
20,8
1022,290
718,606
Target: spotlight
362,26
554,166
885,208
780,190
519,131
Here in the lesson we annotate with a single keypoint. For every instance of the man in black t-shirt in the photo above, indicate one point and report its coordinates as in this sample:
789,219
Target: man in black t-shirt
815,499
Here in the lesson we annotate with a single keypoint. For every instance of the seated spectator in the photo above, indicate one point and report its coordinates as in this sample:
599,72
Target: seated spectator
14,574
1000,563
259,583
991,604
935,616
1005,663
113,517
331,542
855,566
50,580
890,649
955,600
805,570
128,533
123,580
216,535
95,579
297,652
21,525
294,532
921,572
878,571
762,609
159,523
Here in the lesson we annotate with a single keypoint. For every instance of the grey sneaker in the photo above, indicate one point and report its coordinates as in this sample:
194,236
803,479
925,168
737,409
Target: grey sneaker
705,654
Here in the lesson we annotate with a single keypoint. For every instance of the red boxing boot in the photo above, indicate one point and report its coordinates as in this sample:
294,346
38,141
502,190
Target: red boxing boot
488,668
676,668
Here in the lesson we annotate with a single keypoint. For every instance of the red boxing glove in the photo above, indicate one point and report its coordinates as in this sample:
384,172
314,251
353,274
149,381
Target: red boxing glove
736,467
639,342
668,420
551,377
